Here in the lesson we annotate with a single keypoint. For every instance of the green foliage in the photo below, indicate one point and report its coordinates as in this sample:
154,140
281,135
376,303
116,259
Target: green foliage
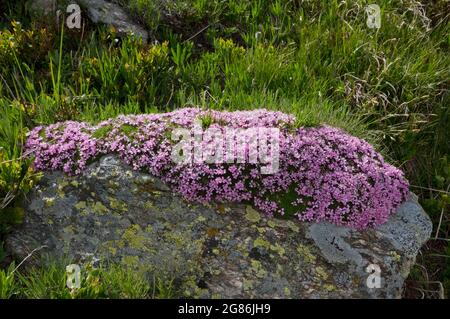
8,284
102,132
163,289
112,282
29,46
129,73
122,283
48,282
16,174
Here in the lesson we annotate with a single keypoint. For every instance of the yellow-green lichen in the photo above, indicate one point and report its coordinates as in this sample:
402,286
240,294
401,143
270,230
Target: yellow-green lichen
133,237
306,254
252,215
112,250
179,239
261,230
329,287
80,205
200,219
260,242
395,255
258,269
278,249
271,223
108,246
287,292
69,229
99,208
148,205
74,183
117,205
321,273
247,284
61,187
292,226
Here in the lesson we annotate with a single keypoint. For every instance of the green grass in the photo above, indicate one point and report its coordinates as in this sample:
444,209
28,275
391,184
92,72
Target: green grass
105,281
315,59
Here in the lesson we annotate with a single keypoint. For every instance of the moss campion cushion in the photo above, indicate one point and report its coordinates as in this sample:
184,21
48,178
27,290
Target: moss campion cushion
324,173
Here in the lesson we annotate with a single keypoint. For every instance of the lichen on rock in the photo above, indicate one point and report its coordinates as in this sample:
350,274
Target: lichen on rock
214,250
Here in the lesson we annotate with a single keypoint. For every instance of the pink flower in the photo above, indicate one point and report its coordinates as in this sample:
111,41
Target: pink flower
324,173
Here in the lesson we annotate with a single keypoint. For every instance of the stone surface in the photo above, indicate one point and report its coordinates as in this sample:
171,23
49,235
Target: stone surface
42,7
230,251
100,11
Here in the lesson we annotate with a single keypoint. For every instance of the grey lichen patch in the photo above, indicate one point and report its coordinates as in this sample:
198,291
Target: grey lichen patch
332,243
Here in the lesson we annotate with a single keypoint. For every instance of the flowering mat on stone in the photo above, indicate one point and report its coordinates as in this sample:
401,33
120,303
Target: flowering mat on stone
313,173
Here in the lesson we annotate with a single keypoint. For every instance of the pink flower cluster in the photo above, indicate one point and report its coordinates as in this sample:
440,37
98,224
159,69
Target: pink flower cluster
324,173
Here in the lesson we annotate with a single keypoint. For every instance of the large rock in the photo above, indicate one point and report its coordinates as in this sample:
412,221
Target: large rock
116,214
100,11
39,8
